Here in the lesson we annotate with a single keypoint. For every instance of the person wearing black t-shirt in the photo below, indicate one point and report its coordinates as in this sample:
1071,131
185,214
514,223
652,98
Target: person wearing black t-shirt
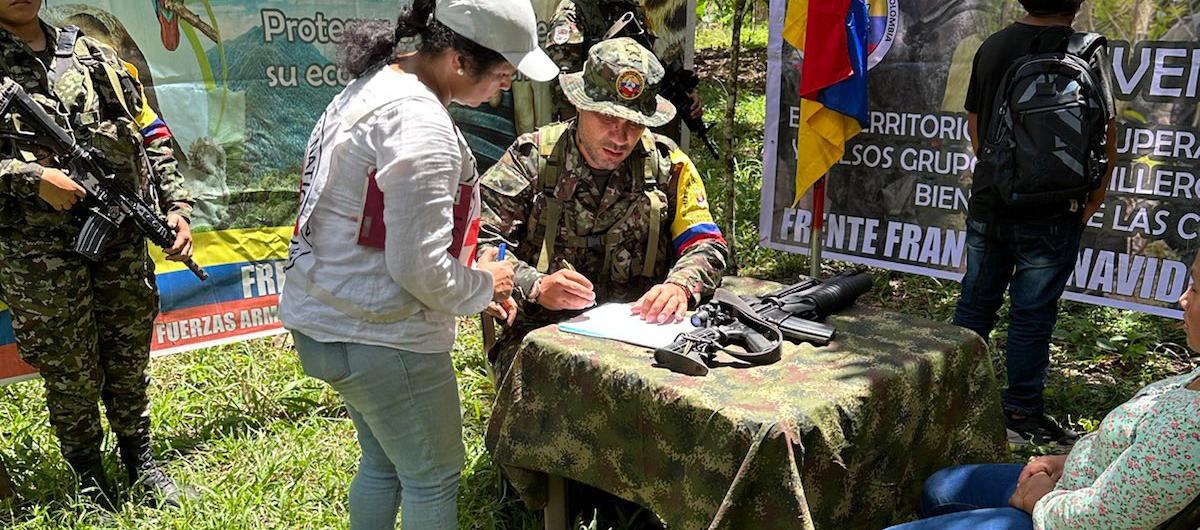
1029,252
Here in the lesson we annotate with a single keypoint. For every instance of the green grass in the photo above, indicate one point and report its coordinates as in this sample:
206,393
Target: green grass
270,448
266,446
715,34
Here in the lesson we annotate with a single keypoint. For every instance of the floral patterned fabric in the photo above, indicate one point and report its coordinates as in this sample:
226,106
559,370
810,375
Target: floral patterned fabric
1137,470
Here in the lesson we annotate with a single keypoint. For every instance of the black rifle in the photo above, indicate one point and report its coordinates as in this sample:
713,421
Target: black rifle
798,309
109,202
726,320
677,84
791,313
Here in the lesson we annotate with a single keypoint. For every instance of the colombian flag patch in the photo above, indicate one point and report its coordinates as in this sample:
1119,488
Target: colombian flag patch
693,222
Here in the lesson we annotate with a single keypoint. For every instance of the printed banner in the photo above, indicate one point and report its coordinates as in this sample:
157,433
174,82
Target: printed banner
898,198
240,84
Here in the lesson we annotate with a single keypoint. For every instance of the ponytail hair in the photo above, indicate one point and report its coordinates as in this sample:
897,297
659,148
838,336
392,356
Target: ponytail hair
367,44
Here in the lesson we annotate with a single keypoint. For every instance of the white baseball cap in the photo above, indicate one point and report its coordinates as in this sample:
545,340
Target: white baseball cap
507,27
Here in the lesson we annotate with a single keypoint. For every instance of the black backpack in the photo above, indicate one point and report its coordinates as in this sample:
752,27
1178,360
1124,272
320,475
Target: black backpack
1046,143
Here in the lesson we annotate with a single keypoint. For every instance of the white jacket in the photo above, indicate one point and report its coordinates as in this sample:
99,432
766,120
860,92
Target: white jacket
406,294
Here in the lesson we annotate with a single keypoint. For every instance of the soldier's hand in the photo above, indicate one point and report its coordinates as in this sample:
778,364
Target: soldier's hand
665,302
502,274
58,190
697,109
505,311
181,250
566,290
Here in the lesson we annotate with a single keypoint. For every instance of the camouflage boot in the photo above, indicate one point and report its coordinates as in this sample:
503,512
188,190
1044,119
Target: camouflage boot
93,481
138,457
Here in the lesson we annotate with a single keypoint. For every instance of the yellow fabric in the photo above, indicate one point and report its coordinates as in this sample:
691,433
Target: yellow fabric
795,23
146,115
691,200
820,143
821,139
231,246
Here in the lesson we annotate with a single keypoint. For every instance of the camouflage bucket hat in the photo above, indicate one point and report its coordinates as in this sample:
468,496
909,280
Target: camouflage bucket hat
620,78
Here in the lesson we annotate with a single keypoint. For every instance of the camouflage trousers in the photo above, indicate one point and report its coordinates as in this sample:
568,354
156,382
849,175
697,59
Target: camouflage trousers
86,327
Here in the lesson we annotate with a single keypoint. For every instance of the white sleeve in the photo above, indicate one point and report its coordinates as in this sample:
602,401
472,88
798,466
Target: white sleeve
418,166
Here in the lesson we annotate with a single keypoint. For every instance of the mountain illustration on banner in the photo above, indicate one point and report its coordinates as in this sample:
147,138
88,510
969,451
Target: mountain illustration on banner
278,118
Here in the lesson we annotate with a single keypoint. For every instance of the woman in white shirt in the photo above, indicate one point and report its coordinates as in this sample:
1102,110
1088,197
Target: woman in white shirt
380,264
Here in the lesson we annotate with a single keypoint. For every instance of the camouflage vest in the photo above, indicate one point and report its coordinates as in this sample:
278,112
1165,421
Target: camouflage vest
638,234
96,99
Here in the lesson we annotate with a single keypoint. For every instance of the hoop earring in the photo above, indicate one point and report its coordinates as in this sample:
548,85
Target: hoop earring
461,71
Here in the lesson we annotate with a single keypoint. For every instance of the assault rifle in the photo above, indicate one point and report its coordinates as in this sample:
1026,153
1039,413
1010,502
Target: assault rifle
759,325
109,202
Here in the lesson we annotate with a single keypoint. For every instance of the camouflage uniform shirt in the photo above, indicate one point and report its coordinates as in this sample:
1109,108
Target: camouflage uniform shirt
85,326
569,32
690,250
96,118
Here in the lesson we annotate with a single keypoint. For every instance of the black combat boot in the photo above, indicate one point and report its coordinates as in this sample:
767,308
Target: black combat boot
93,482
138,457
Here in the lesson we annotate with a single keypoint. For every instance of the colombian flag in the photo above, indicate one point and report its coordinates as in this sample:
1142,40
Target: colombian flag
833,34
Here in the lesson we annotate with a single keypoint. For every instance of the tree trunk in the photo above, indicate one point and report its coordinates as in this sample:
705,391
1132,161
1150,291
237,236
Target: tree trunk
1143,15
6,489
739,14
1085,21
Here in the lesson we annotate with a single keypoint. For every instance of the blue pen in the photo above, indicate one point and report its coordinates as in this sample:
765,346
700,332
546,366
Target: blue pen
503,251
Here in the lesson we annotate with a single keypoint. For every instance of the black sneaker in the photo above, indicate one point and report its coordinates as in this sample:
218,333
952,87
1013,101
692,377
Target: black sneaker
1039,430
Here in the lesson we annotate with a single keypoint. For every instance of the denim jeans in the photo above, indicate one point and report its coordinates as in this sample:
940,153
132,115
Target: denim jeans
1033,262
405,409
971,498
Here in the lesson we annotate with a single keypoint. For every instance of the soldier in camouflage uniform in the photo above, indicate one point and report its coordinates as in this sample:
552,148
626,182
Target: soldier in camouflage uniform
576,27
599,209
85,326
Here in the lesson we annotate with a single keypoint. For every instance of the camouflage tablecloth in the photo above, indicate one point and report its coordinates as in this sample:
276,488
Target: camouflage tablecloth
829,438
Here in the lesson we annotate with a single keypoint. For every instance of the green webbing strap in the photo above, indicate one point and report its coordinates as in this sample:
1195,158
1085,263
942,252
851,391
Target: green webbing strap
550,160
64,50
649,163
550,217
656,208
572,241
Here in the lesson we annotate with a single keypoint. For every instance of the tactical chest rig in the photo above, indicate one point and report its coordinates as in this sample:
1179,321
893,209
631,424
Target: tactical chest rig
105,93
645,161
119,88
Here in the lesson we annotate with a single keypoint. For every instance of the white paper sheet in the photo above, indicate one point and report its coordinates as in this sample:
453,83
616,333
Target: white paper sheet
617,322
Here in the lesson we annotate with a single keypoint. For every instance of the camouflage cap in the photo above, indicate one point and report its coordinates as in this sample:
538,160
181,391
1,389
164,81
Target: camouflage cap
620,78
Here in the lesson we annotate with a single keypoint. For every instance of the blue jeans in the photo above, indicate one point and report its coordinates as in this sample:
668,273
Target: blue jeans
1033,262
405,408
971,498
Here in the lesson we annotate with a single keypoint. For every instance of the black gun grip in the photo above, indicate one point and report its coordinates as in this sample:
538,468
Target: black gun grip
756,342
673,358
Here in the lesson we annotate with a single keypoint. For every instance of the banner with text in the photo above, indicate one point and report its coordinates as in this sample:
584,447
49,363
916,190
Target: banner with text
898,198
240,83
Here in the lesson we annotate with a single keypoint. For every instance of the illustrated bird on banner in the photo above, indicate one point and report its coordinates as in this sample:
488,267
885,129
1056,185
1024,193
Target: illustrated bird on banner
833,35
